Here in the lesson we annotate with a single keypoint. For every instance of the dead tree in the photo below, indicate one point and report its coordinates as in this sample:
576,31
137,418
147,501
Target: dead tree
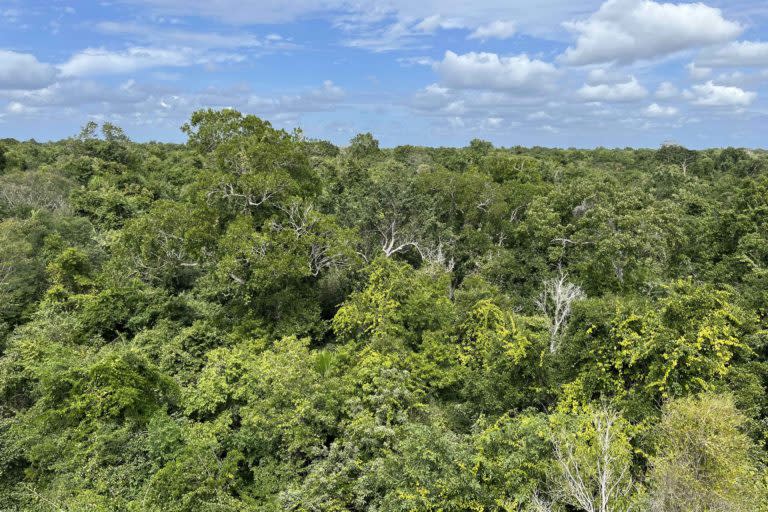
394,240
555,303
600,482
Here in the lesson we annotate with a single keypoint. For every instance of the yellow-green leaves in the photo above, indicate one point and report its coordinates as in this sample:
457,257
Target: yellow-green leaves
704,461
490,332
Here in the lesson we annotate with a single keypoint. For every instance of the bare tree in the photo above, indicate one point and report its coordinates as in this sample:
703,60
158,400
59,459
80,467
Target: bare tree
596,477
299,218
34,190
229,191
395,240
436,257
555,303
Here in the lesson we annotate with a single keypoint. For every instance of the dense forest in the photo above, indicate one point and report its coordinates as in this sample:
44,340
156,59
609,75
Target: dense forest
254,320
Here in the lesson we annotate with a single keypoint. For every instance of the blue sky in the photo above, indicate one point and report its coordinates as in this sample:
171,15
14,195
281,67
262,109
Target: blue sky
565,73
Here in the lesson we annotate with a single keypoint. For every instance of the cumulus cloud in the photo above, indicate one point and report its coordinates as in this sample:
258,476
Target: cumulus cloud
713,95
490,71
24,71
656,110
495,30
666,90
630,90
432,97
737,54
625,31
438,100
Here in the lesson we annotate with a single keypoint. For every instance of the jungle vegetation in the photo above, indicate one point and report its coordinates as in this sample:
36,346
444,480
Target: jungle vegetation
254,320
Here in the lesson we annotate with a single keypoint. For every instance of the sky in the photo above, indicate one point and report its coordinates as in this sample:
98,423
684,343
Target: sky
565,73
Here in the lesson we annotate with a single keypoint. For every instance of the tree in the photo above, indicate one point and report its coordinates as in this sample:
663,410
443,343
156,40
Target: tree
593,459
3,159
396,306
251,166
674,154
729,158
704,461
479,148
555,302
363,145
512,457
169,245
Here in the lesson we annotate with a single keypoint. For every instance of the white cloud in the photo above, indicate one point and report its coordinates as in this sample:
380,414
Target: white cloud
163,36
549,128
631,90
432,97
737,54
15,107
539,18
24,71
698,72
713,95
667,90
140,104
629,30
538,116
72,93
433,23
477,106
368,22
656,110
489,71
98,61
742,79
416,61
396,36
606,76
406,32
495,30
314,100
329,92
492,123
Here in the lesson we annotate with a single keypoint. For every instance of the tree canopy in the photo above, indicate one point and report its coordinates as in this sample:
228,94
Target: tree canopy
255,320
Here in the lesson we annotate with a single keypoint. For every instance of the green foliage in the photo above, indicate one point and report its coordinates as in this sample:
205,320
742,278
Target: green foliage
363,145
704,461
3,158
257,321
593,457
